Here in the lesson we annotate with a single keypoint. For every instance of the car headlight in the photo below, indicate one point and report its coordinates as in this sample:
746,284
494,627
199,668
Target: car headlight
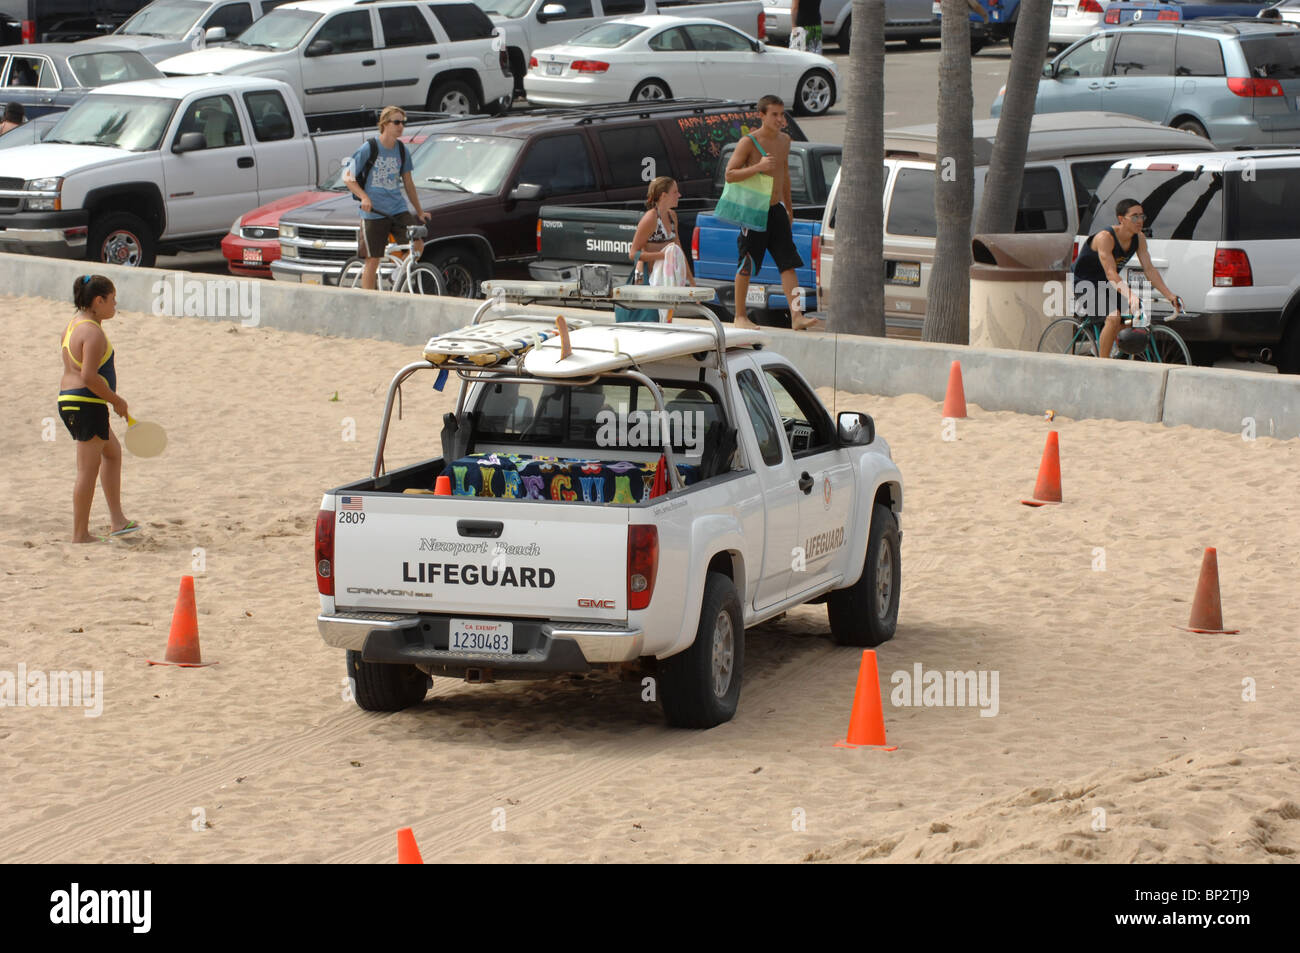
234,229
289,251
50,203
288,231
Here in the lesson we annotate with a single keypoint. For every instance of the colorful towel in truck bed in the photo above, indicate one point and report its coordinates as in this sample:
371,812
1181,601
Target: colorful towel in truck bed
515,476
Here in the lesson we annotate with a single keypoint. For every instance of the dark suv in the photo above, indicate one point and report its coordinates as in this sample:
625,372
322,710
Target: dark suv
484,181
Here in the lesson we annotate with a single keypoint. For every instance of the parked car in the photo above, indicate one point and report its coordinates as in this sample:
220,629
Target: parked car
527,25
33,130
574,562
658,57
157,166
50,77
1177,11
1288,10
485,182
1072,20
61,21
910,20
168,27
345,54
1066,157
1222,230
1245,76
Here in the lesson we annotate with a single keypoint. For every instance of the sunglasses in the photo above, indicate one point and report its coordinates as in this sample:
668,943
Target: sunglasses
1138,217
397,122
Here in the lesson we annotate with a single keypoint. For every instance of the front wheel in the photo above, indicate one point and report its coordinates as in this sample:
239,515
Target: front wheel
651,90
350,273
120,238
379,686
1067,336
423,279
815,94
1166,347
866,613
461,270
700,687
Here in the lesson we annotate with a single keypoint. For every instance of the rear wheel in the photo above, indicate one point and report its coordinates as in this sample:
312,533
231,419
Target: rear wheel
461,270
453,96
120,238
866,613
1067,336
815,93
1192,126
977,44
915,42
651,90
845,36
700,687
379,686
1288,357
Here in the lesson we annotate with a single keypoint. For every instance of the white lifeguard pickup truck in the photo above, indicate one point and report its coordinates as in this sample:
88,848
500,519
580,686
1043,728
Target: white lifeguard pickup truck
637,493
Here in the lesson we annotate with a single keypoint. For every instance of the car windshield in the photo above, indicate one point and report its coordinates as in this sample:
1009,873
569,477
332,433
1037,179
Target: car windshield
104,69
1272,57
507,8
606,36
136,123
169,19
278,30
464,163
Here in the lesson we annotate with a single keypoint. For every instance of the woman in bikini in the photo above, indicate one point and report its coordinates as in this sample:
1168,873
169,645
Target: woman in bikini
657,239
86,391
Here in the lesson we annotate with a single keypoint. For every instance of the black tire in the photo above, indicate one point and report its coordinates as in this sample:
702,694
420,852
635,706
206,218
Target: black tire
688,681
1192,126
1067,336
815,93
120,238
977,45
424,279
845,37
453,96
380,686
462,271
651,90
1288,355
914,42
866,613
350,273
1168,346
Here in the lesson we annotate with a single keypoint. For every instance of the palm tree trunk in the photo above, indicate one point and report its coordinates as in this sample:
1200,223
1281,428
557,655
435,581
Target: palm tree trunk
858,289
1001,197
947,309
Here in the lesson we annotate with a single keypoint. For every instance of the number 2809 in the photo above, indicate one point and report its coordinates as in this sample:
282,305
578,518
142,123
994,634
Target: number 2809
351,516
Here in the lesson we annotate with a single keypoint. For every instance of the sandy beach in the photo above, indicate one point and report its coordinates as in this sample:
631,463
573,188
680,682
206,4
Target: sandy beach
1117,737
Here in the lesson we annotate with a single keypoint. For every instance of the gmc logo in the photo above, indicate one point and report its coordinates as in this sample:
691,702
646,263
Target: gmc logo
595,603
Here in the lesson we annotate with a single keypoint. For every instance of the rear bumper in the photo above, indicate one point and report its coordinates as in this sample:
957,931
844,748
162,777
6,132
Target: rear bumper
1232,327
53,234
540,646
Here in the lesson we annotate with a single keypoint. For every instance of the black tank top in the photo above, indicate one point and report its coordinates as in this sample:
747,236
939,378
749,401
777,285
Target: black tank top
1088,265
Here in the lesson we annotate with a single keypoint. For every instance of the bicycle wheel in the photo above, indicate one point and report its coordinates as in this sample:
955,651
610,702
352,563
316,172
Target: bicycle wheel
423,279
1167,347
1068,336
350,273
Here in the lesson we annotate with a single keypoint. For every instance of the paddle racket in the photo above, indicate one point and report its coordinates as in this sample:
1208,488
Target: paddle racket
144,438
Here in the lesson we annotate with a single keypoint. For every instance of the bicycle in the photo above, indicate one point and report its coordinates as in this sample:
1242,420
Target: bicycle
398,269
1163,345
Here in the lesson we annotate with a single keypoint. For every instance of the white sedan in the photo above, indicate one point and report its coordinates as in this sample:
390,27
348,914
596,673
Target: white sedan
1072,20
658,57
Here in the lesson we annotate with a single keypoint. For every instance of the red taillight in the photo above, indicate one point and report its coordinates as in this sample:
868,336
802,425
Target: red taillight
532,62
642,565
325,552
588,66
817,257
1232,269
762,25
29,31
1243,86
1112,16
1167,15
539,236
1074,252
695,244
1089,6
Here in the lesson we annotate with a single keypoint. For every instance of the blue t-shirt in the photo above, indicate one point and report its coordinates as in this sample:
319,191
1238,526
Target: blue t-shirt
384,186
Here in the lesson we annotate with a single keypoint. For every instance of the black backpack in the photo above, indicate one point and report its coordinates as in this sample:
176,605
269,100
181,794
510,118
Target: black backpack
364,175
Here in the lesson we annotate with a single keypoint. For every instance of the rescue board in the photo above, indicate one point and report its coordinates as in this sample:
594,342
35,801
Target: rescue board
610,347
493,340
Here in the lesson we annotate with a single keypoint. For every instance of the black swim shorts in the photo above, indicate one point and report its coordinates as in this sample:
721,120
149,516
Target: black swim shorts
85,420
777,241
1096,299
375,232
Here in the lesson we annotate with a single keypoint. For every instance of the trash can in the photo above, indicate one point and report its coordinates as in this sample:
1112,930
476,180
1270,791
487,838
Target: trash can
1018,285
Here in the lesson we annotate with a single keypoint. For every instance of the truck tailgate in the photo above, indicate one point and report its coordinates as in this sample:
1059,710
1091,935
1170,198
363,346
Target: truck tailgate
559,561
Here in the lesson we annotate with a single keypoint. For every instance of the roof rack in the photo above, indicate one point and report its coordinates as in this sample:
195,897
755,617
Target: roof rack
1226,24
617,110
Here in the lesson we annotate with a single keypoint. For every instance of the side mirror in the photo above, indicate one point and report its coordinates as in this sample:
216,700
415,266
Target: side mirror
760,46
1049,70
320,48
214,34
190,142
525,192
551,11
856,429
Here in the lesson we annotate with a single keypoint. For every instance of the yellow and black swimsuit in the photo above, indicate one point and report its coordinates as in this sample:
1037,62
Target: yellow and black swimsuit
85,414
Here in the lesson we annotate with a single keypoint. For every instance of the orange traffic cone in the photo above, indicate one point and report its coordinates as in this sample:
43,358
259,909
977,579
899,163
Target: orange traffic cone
442,486
408,852
1207,611
867,722
954,402
1048,488
183,642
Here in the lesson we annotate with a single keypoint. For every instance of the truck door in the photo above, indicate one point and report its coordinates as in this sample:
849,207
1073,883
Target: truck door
282,157
203,186
348,74
823,478
771,461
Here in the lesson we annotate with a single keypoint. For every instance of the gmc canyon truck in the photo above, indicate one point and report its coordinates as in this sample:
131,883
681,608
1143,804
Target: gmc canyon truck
639,502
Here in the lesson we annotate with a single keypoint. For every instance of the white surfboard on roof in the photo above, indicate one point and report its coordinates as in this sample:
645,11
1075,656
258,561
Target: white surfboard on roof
612,347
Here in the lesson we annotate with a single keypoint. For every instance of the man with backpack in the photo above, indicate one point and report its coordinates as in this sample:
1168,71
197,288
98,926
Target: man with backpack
376,175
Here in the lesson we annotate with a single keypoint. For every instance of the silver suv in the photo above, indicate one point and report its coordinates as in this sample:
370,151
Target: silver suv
1222,229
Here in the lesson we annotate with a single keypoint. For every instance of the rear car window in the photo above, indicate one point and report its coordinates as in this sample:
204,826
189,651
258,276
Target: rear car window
1179,205
1042,203
1272,57
1087,177
1263,206
632,153
404,26
103,69
1198,56
911,207
606,36
463,21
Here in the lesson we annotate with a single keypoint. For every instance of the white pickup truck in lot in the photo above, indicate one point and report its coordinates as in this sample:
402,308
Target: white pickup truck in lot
164,165
568,543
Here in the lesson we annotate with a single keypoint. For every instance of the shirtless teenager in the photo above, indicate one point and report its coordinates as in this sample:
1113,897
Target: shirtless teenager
767,151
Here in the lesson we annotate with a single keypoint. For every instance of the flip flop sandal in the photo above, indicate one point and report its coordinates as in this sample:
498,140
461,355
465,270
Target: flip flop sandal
130,527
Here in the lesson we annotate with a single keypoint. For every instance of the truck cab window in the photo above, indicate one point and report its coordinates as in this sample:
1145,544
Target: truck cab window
760,415
806,424
215,119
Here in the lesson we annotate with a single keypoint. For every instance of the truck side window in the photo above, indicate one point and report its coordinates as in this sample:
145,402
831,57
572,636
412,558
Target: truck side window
805,422
760,415
270,114
404,26
559,164
235,17
463,21
626,152
575,10
349,32
214,117
623,8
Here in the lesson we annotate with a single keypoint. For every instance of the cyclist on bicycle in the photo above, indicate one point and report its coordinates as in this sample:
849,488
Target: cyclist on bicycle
383,165
1097,285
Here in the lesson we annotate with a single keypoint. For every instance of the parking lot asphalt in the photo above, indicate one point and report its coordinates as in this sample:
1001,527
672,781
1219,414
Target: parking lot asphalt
911,98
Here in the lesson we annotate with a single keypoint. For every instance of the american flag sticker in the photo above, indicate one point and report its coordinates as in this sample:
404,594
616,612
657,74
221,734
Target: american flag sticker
350,502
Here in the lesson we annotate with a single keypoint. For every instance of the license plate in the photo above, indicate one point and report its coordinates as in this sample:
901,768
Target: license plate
309,278
471,635
756,296
1060,10
252,256
907,273
554,69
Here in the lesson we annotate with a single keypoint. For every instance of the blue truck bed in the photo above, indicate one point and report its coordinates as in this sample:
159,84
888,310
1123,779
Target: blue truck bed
715,253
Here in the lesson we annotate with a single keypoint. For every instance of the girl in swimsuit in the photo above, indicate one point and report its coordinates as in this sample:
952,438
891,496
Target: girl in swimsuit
657,239
86,391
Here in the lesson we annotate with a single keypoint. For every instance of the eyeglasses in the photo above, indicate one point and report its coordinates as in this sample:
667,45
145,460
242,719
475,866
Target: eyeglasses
397,122
1138,217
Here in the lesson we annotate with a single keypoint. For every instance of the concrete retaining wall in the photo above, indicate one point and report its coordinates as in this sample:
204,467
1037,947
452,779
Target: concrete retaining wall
994,379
